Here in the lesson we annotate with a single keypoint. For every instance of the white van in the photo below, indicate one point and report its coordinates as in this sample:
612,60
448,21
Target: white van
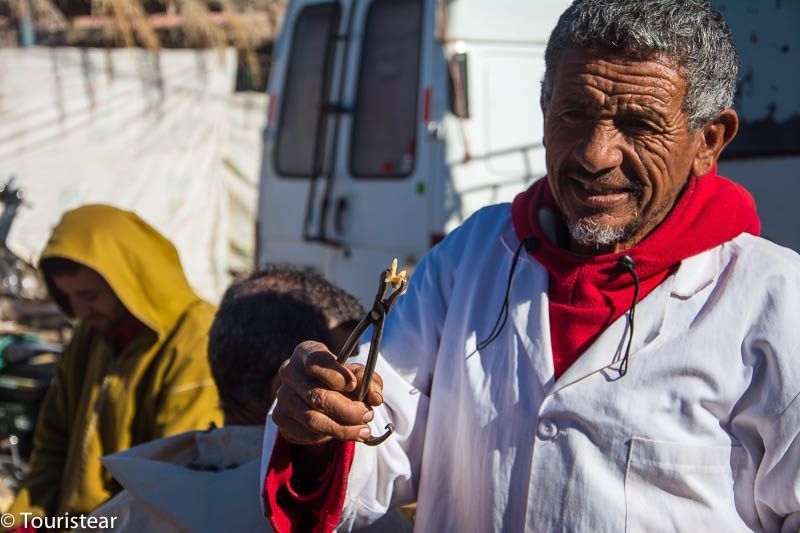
391,121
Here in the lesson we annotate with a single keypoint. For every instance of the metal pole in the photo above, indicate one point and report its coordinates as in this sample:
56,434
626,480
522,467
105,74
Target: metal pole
27,32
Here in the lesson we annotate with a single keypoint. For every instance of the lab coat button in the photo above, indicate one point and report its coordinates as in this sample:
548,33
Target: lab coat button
547,429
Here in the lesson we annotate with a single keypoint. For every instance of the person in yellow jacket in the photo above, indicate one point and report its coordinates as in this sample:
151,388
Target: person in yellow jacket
136,368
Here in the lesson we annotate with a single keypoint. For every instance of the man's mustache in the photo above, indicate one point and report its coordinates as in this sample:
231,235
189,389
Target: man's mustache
609,179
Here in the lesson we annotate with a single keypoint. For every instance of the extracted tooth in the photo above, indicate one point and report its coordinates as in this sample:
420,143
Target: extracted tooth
392,271
395,278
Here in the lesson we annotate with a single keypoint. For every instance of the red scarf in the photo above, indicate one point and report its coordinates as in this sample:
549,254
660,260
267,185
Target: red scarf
124,333
587,294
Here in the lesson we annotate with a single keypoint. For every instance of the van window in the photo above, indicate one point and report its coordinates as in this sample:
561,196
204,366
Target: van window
299,139
383,140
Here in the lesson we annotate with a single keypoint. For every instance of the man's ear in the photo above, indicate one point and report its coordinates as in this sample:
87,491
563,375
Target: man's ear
544,120
339,335
713,138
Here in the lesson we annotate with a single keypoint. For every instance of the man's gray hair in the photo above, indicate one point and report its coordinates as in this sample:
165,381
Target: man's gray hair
691,32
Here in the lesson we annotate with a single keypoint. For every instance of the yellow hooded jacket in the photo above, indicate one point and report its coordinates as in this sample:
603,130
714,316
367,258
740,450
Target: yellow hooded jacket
101,403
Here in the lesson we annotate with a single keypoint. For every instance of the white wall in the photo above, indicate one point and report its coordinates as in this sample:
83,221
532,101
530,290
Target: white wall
160,134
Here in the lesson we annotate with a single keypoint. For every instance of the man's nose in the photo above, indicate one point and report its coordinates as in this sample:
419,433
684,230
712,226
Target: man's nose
600,150
80,309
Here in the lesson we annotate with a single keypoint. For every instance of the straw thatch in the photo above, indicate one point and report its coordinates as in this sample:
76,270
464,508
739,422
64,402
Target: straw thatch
147,23
248,25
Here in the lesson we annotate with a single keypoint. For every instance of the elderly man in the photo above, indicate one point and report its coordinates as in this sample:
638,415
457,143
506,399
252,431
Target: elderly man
642,372
136,368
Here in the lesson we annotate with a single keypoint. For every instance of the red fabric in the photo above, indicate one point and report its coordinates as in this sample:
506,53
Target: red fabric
287,509
587,294
124,332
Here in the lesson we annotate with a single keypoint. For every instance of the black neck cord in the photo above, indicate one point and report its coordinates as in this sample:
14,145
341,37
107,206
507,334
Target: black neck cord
629,265
626,262
502,318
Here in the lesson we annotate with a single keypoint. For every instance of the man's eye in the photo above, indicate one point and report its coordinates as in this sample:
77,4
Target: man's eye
635,125
574,115
89,296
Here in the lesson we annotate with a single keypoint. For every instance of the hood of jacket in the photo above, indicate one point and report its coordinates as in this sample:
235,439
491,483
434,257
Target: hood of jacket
140,265
202,480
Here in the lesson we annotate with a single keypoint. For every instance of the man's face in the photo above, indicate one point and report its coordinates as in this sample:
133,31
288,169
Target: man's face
91,299
618,146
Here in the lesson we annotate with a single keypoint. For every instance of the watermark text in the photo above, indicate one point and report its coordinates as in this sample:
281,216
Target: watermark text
65,521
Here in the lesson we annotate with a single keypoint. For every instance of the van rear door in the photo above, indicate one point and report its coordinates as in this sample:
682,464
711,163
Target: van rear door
345,175
382,162
298,132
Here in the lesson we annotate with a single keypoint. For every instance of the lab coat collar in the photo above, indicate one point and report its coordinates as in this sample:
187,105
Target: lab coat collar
529,312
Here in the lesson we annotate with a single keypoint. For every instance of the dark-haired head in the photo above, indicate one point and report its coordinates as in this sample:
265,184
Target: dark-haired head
59,266
259,322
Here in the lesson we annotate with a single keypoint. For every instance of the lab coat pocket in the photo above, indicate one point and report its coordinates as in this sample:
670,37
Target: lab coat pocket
673,486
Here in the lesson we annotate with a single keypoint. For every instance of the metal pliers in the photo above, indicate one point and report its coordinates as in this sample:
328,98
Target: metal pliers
384,299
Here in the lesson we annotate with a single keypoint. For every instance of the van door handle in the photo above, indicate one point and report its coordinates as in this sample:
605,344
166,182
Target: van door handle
338,215
336,108
435,129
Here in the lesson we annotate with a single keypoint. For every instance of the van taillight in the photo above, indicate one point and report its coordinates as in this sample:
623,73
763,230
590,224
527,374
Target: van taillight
426,106
272,113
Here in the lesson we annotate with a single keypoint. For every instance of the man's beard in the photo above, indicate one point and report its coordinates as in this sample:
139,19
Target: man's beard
589,232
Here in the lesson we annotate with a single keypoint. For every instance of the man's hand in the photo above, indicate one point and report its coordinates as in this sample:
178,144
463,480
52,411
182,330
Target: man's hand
316,398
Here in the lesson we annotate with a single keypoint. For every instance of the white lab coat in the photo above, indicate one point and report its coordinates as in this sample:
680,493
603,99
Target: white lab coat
700,435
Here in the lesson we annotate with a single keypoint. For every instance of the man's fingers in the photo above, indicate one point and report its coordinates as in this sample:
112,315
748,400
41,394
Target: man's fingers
320,364
375,396
315,399
297,434
335,405
304,425
290,428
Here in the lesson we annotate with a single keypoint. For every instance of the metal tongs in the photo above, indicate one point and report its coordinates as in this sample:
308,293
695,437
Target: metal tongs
390,286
